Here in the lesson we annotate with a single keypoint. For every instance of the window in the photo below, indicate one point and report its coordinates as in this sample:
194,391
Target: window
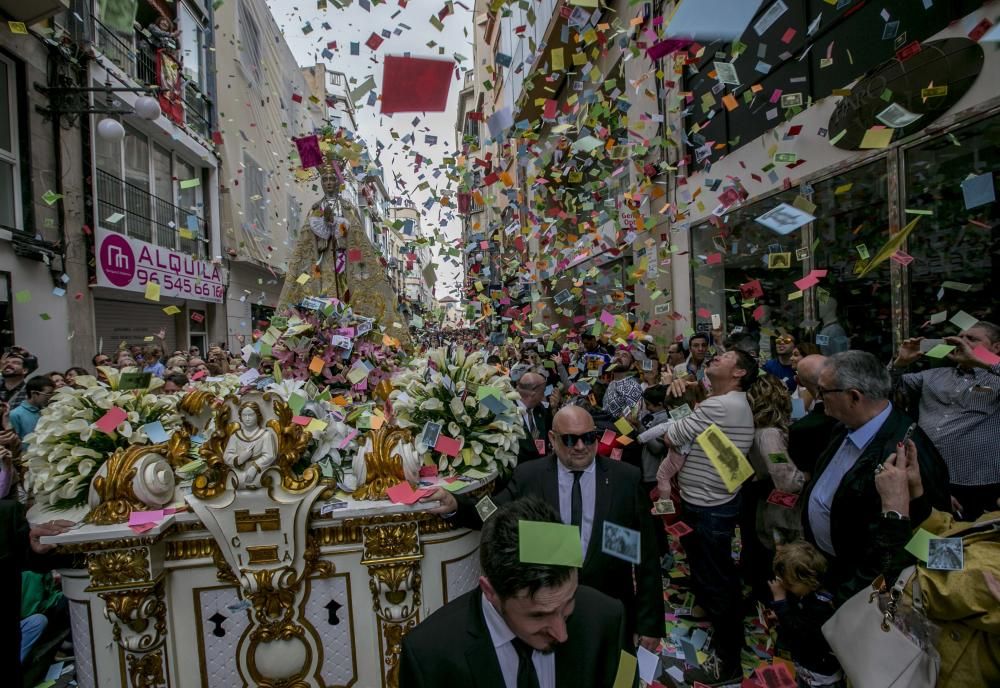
137,191
735,259
250,46
254,202
192,45
10,166
852,222
958,242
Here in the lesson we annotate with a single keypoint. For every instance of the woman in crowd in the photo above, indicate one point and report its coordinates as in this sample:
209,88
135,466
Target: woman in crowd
764,524
72,374
57,378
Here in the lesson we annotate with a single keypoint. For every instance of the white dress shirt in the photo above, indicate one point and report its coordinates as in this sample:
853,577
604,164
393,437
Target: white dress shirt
500,633
588,490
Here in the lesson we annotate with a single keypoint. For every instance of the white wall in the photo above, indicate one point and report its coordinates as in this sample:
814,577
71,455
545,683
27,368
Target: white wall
46,339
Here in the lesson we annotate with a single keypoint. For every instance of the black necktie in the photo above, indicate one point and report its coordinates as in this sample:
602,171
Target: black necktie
526,675
576,501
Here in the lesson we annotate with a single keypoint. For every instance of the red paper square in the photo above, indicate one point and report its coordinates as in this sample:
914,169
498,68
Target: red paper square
374,41
415,84
448,445
354,255
110,420
787,37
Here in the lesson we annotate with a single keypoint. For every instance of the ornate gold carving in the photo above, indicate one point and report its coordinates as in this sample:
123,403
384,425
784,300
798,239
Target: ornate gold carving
262,554
316,567
222,571
251,523
141,611
118,567
391,541
392,553
118,500
383,468
292,442
180,550
146,671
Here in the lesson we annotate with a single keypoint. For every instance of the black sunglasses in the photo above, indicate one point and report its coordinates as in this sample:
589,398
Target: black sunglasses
589,438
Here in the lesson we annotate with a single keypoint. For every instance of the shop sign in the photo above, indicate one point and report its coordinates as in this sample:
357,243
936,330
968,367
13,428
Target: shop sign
129,264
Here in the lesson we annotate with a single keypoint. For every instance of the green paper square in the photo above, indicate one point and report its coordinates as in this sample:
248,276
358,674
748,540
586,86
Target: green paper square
919,544
296,402
554,544
940,351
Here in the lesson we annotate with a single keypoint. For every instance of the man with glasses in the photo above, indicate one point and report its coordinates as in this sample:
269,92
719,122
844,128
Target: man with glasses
781,365
588,491
842,503
535,416
25,417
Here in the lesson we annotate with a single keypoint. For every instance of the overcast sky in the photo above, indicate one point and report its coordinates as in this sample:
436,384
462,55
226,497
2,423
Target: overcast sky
356,23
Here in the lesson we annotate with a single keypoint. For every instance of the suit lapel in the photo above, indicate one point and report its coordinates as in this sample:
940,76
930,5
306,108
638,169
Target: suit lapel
602,503
550,484
484,667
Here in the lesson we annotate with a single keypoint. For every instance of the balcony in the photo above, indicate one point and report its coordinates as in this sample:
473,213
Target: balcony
148,217
197,111
120,49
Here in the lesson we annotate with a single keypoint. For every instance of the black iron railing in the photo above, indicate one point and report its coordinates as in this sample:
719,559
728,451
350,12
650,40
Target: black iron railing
197,111
120,49
147,217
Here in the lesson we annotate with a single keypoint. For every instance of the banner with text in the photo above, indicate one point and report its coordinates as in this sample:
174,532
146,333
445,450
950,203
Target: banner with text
130,264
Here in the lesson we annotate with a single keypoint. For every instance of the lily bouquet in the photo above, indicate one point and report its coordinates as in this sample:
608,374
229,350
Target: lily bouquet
469,401
66,449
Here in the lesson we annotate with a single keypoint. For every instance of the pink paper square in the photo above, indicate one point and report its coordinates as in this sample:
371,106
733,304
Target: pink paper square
301,420
110,420
985,355
139,518
607,319
787,37
448,445
428,471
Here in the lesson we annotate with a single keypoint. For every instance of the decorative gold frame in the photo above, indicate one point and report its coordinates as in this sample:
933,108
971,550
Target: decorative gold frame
383,468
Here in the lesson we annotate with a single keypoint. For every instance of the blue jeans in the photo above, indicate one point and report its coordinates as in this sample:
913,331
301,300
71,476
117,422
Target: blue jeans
32,628
714,578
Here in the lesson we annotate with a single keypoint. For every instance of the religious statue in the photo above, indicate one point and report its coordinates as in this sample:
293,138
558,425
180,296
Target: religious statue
252,448
332,257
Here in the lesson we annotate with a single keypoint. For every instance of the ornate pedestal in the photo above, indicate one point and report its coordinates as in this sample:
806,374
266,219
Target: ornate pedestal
164,608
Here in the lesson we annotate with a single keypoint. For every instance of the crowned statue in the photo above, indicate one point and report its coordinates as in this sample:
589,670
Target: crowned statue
332,257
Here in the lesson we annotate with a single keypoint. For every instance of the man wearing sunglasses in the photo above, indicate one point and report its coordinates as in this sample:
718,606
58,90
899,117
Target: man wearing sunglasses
781,365
588,491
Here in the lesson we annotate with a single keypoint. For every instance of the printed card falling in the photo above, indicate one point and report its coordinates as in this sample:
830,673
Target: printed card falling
729,461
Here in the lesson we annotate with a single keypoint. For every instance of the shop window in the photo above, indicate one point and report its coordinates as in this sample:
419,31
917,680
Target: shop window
732,257
954,249
852,223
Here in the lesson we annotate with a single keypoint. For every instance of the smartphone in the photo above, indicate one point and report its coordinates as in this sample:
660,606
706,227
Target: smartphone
909,432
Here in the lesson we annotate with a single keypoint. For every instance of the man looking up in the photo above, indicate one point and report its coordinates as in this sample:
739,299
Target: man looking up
709,508
527,625
12,390
959,409
588,491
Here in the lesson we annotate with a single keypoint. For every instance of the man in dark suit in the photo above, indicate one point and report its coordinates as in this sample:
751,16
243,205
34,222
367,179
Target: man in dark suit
589,491
528,625
843,507
535,416
809,436
20,550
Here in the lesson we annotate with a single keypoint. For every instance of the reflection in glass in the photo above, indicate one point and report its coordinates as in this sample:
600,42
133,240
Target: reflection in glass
737,253
955,243
852,223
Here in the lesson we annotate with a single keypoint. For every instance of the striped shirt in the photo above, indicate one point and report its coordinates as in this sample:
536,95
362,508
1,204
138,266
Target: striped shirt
700,483
960,412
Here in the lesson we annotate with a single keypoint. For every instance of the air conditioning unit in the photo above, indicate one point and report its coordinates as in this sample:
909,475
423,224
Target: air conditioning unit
32,11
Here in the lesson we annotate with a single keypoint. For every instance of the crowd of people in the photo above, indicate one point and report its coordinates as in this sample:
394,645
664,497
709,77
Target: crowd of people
799,479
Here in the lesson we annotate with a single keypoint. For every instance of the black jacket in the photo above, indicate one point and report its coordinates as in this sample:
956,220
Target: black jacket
453,647
800,622
526,449
862,552
809,436
619,498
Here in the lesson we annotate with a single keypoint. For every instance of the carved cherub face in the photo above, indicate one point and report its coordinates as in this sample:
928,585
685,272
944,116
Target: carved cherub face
248,418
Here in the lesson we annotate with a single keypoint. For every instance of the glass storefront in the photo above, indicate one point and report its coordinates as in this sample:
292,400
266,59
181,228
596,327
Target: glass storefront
954,249
948,181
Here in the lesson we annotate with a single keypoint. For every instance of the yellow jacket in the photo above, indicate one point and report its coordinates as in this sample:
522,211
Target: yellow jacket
961,604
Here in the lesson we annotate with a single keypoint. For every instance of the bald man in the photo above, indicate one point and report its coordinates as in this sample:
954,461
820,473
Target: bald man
810,435
588,491
535,416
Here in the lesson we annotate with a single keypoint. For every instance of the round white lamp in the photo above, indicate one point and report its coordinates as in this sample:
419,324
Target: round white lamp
110,130
147,107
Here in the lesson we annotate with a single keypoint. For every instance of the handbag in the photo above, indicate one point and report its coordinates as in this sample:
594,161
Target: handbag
870,646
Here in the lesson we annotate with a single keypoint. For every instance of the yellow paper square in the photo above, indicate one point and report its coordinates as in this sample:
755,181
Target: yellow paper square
316,425
171,310
623,426
152,291
729,461
877,138
558,60
302,279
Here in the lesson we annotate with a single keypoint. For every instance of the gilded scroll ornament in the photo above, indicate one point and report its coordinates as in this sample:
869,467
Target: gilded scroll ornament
118,567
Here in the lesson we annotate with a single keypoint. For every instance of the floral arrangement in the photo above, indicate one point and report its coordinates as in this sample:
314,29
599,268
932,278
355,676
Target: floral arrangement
66,450
447,388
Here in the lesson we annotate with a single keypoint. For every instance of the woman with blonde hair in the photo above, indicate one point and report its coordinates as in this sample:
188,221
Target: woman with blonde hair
770,513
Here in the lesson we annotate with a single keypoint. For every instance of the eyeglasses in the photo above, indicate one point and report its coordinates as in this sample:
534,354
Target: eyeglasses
821,392
784,340
590,437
